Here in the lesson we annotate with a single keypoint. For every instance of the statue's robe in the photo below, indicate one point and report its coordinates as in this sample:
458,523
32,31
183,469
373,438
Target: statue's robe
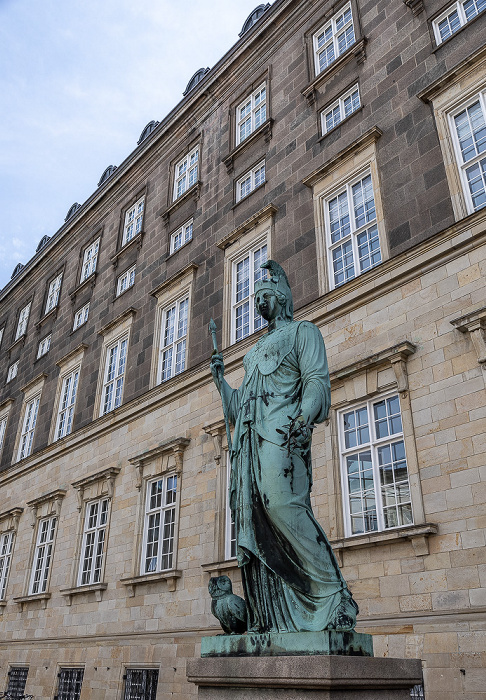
290,575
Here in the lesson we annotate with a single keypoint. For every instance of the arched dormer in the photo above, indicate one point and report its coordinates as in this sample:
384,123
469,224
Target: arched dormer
196,78
253,18
42,243
18,268
106,174
72,210
147,131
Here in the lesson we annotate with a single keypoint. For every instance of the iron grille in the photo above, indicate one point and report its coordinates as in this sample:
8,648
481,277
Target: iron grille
141,683
70,681
417,692
17,677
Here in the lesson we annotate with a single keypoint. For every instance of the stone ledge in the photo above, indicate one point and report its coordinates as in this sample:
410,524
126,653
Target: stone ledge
26,599
169,576
216,567
96,588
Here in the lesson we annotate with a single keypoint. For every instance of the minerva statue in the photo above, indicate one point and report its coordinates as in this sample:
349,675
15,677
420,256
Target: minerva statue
291,579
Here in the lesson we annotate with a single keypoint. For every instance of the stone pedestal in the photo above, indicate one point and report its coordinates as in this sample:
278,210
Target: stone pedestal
304,678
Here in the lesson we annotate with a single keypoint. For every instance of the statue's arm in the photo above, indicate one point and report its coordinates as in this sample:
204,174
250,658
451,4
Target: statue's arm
229,396
316,387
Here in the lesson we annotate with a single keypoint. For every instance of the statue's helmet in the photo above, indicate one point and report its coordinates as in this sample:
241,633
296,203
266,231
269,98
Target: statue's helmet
277,283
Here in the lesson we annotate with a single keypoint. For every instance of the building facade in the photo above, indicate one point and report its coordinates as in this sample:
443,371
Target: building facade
347,141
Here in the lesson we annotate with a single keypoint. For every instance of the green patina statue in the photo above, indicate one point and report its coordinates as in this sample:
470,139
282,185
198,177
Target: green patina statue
291,579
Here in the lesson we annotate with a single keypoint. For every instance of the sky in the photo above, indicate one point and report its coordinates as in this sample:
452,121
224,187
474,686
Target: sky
79,80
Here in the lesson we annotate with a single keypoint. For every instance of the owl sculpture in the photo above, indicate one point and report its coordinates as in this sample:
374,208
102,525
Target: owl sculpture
227,607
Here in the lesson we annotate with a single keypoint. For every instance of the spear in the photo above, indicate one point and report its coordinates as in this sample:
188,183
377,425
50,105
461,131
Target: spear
212,330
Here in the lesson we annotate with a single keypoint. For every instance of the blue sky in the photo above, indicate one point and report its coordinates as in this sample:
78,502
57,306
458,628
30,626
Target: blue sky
79,80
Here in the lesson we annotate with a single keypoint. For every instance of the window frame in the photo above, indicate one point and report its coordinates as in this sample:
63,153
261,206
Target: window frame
67,409
189,180
254,107
229,525
70,693
17,690
250,175
27,432
43,554
118,343
235,304
339,103
88,267
12,371
138,217
127,695
23,321
96,530
163,348
82,311
333,40
53,293
42,349
6,539
458,7
162,510
129,275
182,231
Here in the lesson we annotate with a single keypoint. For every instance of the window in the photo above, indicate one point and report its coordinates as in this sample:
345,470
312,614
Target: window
28,428
173,339
17,678
133,221
22,322
246,272
340,110
468,125
114,376
3,428
90,258
42,555
333,39
81,316
93,545
53,293
186,172
180,237
1,335
376,490
159,525
251,114
125,281
230,531
250,181
455,17
66,405
12,371
352,232
141,684
6,543
4,414
70,682
44,346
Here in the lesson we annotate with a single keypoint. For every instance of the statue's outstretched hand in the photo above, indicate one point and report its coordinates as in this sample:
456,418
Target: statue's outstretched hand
217,367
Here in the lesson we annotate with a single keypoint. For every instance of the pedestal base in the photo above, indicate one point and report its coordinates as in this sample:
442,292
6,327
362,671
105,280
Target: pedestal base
304,678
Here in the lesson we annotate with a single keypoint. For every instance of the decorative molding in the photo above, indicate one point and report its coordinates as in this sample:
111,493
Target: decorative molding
195,79
397,356
104,479
417,6
369,137
9,519
147,130
52,314
116,321
266,213
264,129
7,402
20,342
217,430
77,350
194,192
51,500
161,288
30,385
170,576
462,68
417,534
89,281
24,600
475,324
253,18
96,588
357,51
175,447
217,568
136,240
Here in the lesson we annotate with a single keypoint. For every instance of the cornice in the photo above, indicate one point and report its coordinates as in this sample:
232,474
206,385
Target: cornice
78,350
191,267
37,380
267,212
461,69
130,312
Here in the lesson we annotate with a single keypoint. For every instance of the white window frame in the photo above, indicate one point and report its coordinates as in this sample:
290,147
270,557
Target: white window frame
173,347
43,552
183,235
373,444
1,335
229,525
23,321
90,260
249,182
133,221
255,322
332,32
125,281
186,173
28,427
80,317
114,381
154,559
44,346
338,109
251,113
478,160
3,430
53,293
67,403
458,8
12,371
355,231
93,544
6,549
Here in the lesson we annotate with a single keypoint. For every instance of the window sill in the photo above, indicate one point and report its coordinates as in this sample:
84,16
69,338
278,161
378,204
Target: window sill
26,599
3,604
264,130
357,50
216,568
96,588
244,199
91,280
170,576
417,534
135,241
194,191
52,314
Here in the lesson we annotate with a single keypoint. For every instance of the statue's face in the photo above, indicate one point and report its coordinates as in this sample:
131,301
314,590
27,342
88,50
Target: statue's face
267,305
